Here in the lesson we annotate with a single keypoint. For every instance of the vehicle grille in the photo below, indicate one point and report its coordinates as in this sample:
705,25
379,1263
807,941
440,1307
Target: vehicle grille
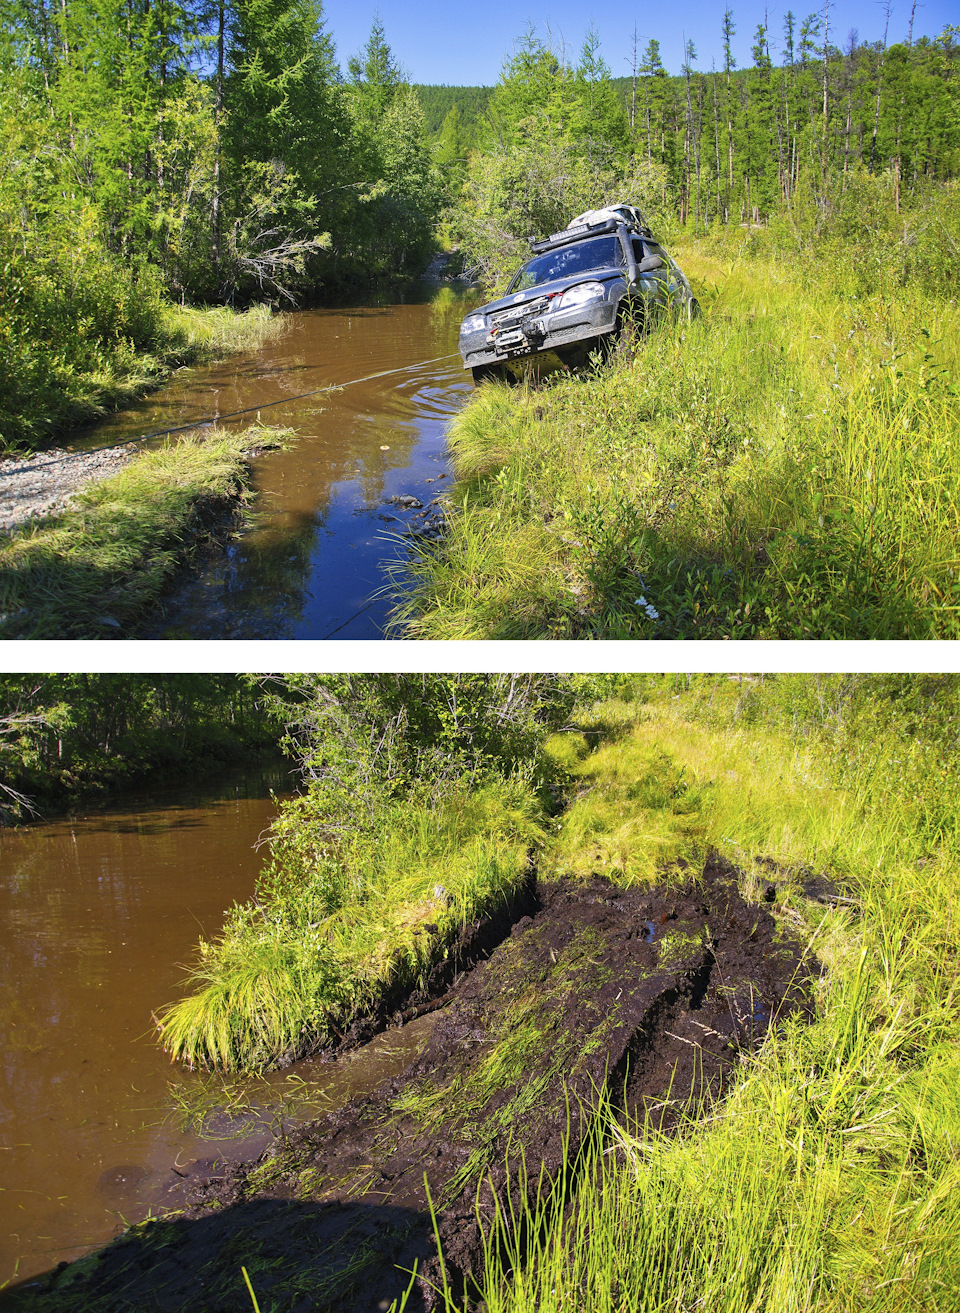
515,313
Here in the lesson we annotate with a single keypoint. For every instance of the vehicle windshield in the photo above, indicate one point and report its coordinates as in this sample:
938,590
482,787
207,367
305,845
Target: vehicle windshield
580,258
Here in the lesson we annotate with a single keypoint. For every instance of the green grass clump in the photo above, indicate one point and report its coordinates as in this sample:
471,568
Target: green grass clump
827,1181
336,925
785,467
94,571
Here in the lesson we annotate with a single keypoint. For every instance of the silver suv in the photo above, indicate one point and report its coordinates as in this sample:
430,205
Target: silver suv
581,287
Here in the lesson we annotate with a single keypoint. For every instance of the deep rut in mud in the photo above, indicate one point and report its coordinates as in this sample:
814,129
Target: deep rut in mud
647,997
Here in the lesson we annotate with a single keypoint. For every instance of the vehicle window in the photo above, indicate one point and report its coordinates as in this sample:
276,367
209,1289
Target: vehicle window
597,253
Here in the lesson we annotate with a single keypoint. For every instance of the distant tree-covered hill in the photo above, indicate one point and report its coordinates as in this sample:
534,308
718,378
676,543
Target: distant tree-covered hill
437,103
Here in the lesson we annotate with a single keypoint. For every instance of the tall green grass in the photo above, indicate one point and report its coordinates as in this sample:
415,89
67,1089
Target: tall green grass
785,467
337,924
827,1180
95,570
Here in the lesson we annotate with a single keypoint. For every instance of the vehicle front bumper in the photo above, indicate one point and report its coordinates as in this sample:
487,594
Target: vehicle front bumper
539,334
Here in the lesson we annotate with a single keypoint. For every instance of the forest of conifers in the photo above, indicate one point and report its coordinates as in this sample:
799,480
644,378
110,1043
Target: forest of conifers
185,151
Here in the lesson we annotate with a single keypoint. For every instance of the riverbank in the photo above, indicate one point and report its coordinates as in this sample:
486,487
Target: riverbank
402,911
45,483
595,1034
99,566
785,467
53,387
581,1001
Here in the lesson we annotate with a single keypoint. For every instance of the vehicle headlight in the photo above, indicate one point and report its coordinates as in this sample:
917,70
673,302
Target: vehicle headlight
579,294
473,324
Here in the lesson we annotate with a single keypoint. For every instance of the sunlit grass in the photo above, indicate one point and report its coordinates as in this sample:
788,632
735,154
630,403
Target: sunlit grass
785,467
827,1179
672,788
333,931
218,330
94,570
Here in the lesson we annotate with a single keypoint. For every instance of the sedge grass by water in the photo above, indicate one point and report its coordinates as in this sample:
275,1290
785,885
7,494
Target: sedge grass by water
785,467
340,919
95,570
828,1179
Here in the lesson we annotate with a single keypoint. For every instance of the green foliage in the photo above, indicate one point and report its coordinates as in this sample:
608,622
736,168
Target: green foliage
880,735
438,102
143,158
68,736
553,143
420,811
377,734
825,1183
343,915
725,148
397,208
81,334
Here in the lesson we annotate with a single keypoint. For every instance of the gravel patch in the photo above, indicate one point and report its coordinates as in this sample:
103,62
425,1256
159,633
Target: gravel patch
45,483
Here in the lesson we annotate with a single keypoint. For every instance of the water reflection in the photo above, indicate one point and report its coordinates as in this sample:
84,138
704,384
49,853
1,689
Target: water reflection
312,566
98,915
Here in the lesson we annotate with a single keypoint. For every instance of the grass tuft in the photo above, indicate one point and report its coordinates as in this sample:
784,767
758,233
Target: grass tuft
95,570
330,935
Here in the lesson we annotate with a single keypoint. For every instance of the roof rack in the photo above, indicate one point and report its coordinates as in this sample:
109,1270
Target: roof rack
593,223
575,233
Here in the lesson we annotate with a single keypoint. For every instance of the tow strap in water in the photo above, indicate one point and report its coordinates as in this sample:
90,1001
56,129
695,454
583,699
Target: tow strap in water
265,405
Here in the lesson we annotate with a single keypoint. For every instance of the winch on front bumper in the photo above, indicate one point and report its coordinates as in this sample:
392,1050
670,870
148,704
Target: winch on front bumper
534,328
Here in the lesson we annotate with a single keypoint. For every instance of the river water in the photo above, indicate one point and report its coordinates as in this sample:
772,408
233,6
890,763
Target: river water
315,563
99,912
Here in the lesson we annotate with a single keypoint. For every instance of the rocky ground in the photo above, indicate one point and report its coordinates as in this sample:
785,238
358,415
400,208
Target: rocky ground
646,997
45,483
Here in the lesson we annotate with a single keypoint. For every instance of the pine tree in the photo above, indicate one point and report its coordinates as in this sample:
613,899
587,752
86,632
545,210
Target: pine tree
654,97
399,199
729,64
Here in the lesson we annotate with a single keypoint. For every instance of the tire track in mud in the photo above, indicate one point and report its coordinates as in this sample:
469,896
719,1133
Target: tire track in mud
646,997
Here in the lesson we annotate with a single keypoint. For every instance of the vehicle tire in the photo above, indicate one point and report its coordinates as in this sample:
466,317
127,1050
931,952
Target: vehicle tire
693,308
630,330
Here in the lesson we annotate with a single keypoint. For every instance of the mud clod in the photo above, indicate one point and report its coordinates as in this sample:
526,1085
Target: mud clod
649,998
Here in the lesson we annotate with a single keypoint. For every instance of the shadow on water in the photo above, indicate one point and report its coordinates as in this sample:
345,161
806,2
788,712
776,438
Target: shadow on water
300,1258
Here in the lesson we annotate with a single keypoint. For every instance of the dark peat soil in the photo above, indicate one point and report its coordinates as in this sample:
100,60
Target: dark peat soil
638,998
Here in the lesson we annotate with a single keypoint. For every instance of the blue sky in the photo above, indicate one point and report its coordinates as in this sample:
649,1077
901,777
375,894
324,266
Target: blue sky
467,45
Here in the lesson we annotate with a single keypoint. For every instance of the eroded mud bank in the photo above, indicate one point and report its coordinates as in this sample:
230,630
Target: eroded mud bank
650,997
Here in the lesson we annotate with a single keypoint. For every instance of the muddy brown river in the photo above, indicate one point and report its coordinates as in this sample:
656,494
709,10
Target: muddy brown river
98,914
315,563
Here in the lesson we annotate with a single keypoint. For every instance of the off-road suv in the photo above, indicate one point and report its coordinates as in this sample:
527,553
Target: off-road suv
580,289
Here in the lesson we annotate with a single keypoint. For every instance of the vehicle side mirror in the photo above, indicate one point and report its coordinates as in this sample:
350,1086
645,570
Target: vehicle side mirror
649,263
